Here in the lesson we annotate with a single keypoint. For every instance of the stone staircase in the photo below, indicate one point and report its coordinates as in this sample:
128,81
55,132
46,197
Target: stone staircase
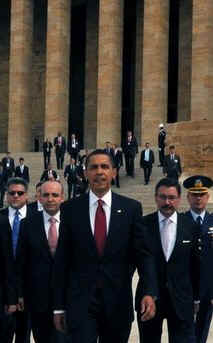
133,188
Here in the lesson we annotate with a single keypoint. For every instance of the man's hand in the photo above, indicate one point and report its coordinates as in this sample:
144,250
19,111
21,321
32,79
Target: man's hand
10,309
59,321
20,305
148,308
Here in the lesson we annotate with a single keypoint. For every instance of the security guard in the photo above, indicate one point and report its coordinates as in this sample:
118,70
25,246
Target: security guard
198,196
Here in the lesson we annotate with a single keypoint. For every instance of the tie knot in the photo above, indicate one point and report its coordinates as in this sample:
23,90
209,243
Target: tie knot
17,213
100,203
52,220
199,220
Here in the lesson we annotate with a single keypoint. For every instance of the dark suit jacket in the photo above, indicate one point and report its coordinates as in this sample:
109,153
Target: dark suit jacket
60,148
8,293
47,147
206,257
3,180
151,158
70,149
118,159
24,175
161,138
11,169
130,148
179,276
45,177
78,268
70,174
172,167
34,264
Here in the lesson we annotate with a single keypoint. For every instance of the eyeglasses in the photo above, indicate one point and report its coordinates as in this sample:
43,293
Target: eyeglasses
167,197
19,193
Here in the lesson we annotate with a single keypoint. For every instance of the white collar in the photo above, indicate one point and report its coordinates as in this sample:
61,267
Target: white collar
195,215
47,216
107,198
22,211
173,217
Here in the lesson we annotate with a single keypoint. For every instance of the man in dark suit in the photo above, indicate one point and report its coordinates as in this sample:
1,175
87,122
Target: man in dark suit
118,162
49,174
8,165
71,176
174,243
172,165
22,170
130,149
3,181
161,144
60,149
8,294
73,147
198,197
17,198
146,161
108,148
101,241
36,205
35,258
47,147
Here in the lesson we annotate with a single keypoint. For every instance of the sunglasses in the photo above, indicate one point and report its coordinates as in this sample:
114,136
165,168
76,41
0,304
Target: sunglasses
19,193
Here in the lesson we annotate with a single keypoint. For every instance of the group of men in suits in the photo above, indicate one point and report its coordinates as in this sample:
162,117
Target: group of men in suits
73,265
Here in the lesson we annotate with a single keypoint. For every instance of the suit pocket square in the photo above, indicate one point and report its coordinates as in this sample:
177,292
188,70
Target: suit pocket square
185,242
119,211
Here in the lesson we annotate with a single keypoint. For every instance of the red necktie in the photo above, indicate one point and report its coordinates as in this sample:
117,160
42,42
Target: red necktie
100,228
52,235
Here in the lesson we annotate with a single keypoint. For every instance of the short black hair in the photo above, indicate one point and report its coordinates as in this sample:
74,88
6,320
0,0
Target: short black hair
17,181
168,182
171,147
99,152
39,184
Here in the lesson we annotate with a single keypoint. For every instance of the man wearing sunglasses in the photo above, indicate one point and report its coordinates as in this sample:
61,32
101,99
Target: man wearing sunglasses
17,196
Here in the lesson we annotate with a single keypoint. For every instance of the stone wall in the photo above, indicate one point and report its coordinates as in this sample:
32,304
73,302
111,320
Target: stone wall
194,143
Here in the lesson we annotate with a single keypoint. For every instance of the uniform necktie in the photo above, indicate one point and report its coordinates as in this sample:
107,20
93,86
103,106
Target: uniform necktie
100,228
15,231
166,238
52,236
199,221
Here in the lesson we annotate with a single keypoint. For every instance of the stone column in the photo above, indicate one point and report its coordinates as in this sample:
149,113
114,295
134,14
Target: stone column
58,67
138,70
155,68
110,71
91,77
202,60
20,95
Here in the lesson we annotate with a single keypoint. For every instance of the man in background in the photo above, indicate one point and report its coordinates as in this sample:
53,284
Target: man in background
146,161
172,164
22,170
60,149
161,144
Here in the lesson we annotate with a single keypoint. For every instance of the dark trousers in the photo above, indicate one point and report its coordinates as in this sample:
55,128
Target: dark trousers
117,179
71,186
97,327
147,168
2,192
203,320
17,324
46,160
130,164
161,156
43,328
60,159
179,331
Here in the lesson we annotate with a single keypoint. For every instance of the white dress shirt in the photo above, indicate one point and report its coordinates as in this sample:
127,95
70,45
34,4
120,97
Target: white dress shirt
173,229
39,206
47,224
12,213
93,204
195,215
146,156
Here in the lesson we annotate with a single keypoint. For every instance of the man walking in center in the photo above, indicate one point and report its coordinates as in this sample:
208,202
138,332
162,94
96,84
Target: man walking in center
146,161
172,165
102,239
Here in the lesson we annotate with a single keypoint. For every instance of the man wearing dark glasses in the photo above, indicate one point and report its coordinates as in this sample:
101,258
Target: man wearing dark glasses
17,196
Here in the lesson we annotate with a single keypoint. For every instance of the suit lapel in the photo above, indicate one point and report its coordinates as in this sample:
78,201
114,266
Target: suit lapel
41,234
179,234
